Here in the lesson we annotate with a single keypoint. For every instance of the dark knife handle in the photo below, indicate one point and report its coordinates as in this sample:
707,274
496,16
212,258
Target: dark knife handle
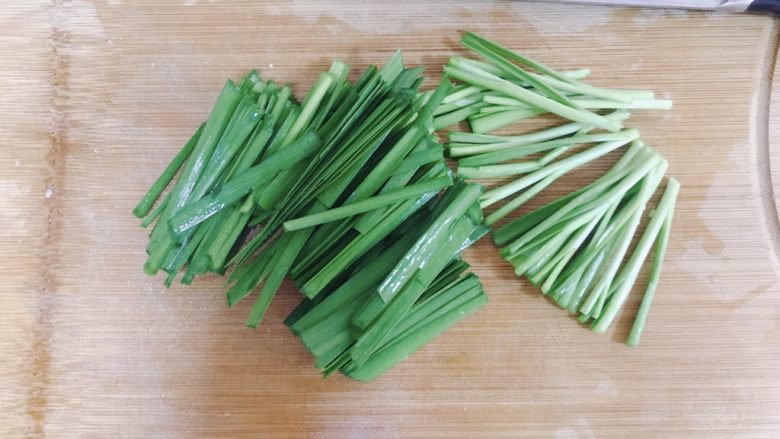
765,7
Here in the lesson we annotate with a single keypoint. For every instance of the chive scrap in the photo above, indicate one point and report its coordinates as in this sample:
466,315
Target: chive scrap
543,103
660,245
352,209
242,184
161,242
145,205
494,195
629,274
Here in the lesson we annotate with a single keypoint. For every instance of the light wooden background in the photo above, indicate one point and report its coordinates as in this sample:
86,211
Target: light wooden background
96,96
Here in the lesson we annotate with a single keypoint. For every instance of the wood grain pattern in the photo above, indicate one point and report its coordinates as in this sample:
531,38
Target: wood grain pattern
97,96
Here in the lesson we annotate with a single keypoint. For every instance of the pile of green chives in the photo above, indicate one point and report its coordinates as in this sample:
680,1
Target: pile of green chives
574,248
339,192
348,194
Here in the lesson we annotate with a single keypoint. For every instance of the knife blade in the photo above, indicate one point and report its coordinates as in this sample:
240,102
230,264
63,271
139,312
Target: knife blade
759,6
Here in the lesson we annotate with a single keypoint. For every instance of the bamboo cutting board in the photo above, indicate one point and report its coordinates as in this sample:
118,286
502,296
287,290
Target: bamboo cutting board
96,97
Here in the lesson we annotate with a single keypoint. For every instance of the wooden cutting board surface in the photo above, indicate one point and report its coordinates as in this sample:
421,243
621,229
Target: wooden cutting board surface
96,97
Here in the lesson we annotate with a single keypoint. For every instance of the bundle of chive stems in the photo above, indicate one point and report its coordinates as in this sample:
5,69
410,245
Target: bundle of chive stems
348,194
573,248
341,193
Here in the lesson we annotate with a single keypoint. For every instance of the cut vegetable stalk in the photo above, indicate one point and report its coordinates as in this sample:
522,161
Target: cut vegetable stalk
485,123
397,351
493,196
242,184
146,203
589,103
513,71
494,171
533,99
430,186
661,244
631,270
160,242
497,143
512,152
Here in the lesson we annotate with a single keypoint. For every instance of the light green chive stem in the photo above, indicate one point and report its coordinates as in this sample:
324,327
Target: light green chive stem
661,244
567,164
365,205
534,99
638,256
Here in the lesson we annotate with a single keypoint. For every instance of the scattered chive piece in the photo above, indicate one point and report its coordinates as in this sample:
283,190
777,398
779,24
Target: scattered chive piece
511,152
151,217
352,209
143,206
242,184
633,265
160,241
661,244
488,51
494,195
493,171
517,92
589,103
